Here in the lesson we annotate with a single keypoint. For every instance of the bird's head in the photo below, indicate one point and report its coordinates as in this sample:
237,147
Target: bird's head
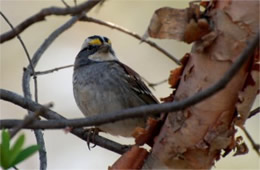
98,48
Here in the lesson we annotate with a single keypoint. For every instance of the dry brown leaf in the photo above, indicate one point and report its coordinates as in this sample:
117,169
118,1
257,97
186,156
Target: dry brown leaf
175,76
132,159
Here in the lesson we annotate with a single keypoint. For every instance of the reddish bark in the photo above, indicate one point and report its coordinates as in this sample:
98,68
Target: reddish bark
193,138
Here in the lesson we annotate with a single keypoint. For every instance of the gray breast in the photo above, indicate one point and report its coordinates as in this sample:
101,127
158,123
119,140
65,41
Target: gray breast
100,88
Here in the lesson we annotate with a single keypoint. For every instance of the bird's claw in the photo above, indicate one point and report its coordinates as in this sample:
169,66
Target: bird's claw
91,133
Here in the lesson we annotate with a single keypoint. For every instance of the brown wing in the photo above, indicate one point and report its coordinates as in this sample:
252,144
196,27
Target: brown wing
138,85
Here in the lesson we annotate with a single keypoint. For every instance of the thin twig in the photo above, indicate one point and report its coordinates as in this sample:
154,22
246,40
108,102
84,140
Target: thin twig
255,146
29,119
152,85
254,112
52,70
49,114
135,35
153,108
65,3
28,57
40,16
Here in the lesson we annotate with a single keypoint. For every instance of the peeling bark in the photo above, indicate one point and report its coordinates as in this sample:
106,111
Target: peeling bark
193,138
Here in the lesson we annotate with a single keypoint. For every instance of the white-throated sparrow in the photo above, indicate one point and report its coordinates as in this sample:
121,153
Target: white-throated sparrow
102,84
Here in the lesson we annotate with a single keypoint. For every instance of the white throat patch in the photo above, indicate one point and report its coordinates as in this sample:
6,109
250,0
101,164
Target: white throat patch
100,56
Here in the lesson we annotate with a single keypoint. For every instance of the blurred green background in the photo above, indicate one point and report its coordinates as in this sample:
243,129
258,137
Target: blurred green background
65,151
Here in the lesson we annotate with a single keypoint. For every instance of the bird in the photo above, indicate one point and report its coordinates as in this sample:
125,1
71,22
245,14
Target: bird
102,84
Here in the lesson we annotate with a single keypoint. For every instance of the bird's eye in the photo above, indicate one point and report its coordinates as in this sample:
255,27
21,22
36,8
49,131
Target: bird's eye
107,40
95,42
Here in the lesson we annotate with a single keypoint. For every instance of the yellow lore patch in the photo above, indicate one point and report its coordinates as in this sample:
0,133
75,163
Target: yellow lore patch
95,42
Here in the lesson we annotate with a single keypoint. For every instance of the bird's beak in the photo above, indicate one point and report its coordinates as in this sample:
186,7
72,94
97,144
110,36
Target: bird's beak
105,48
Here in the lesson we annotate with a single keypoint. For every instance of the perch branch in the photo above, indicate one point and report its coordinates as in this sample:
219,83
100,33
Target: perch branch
49,114
135,35
40,16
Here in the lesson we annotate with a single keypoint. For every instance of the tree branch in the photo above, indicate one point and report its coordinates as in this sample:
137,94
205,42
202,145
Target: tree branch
52,70
28,120
255,146
40,16
154,108
65,3
49,114
135,35
254,112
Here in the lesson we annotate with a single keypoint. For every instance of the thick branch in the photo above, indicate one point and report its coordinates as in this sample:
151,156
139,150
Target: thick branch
40,16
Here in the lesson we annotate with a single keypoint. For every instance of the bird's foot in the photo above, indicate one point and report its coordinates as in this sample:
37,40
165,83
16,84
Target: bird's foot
90,134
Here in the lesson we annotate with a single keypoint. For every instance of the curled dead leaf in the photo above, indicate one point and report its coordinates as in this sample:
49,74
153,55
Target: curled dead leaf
175,76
